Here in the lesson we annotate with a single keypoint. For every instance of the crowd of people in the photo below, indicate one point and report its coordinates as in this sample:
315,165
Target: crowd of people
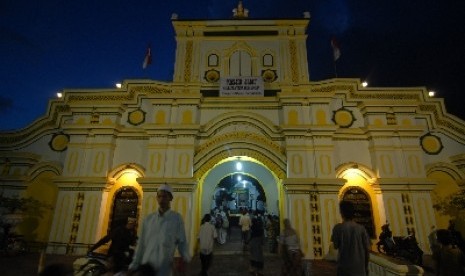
163,233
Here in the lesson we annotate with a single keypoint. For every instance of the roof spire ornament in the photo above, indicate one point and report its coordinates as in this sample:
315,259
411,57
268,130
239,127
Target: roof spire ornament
240,12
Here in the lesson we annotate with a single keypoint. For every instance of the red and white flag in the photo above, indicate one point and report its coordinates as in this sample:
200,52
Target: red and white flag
148,58
336,50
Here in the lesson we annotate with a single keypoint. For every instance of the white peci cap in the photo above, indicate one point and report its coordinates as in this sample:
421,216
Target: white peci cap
166,188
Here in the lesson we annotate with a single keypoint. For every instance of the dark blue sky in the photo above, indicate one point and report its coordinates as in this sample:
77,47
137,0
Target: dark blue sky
49,45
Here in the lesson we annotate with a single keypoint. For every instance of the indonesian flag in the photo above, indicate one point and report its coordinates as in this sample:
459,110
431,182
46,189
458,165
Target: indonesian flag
336,50
148,58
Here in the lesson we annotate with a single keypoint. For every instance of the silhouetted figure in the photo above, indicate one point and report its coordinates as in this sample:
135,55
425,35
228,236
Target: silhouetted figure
451,260
122,238
57,270
290,251
143,270
353,243
456,236
207,236
256,247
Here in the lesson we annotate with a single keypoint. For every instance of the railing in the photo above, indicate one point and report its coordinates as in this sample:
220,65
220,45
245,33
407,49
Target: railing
67,248
387,266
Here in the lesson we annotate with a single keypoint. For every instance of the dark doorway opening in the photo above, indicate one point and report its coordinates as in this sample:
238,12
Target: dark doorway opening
124,206
363,211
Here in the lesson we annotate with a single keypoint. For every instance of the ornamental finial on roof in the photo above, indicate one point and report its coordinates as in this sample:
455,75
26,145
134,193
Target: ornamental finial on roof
240,12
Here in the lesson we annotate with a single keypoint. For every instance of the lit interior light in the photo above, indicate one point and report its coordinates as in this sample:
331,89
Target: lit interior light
239,166
431,93
118,85
364,84
239,178
59,95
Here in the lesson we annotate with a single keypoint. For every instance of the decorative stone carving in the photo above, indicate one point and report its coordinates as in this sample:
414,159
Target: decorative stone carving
59,142
212,76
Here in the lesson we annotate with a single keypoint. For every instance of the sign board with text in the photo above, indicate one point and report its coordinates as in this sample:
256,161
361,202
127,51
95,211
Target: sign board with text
241,87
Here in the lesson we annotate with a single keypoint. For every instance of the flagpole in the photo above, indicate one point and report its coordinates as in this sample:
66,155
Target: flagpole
335,69
336,53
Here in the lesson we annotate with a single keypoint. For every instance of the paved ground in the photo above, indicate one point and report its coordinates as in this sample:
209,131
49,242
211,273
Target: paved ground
229,265
229,260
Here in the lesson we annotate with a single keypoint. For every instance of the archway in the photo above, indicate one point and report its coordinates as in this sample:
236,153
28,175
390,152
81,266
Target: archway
446,178
37,223
123,195
258,184
361,185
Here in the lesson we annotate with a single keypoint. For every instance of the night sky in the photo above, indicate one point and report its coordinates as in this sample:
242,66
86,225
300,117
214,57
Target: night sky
50,45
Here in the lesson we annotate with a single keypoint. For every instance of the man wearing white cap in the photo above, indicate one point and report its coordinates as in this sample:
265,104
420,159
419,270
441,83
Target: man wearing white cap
162,232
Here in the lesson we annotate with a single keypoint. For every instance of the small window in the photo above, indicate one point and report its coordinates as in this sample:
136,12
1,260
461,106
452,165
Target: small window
212,60
267,60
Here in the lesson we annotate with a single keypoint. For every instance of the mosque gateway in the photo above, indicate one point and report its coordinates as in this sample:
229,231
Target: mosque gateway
241,125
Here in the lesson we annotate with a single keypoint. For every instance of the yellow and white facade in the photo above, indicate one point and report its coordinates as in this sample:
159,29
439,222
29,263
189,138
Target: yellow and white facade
309,144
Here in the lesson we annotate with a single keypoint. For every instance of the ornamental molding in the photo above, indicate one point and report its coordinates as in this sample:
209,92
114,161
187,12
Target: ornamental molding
294,61
444,121
150,89
35,131
100,98
277,165
188,61
240,45
237,137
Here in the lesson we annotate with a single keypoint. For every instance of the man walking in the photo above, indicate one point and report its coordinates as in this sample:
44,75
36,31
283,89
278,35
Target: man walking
162,232
245,222
207,236
353,243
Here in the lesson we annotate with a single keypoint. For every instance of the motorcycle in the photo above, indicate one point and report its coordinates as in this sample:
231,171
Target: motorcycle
400,247
93,264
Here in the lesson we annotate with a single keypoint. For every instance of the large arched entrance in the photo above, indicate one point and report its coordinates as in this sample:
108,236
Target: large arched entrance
240,182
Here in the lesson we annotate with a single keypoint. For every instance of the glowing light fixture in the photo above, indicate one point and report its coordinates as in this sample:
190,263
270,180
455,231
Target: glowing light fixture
239,166
431,93
239,178
364,84
59,95
118,85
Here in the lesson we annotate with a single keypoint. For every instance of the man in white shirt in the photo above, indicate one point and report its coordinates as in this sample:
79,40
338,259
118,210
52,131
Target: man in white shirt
245,222
207,236
162,232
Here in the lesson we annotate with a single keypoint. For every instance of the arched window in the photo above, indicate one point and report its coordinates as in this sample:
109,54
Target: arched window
268,60
212,60
240,64
363,210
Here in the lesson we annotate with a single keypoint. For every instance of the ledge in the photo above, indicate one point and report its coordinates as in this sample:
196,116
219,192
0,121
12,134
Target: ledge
384,265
